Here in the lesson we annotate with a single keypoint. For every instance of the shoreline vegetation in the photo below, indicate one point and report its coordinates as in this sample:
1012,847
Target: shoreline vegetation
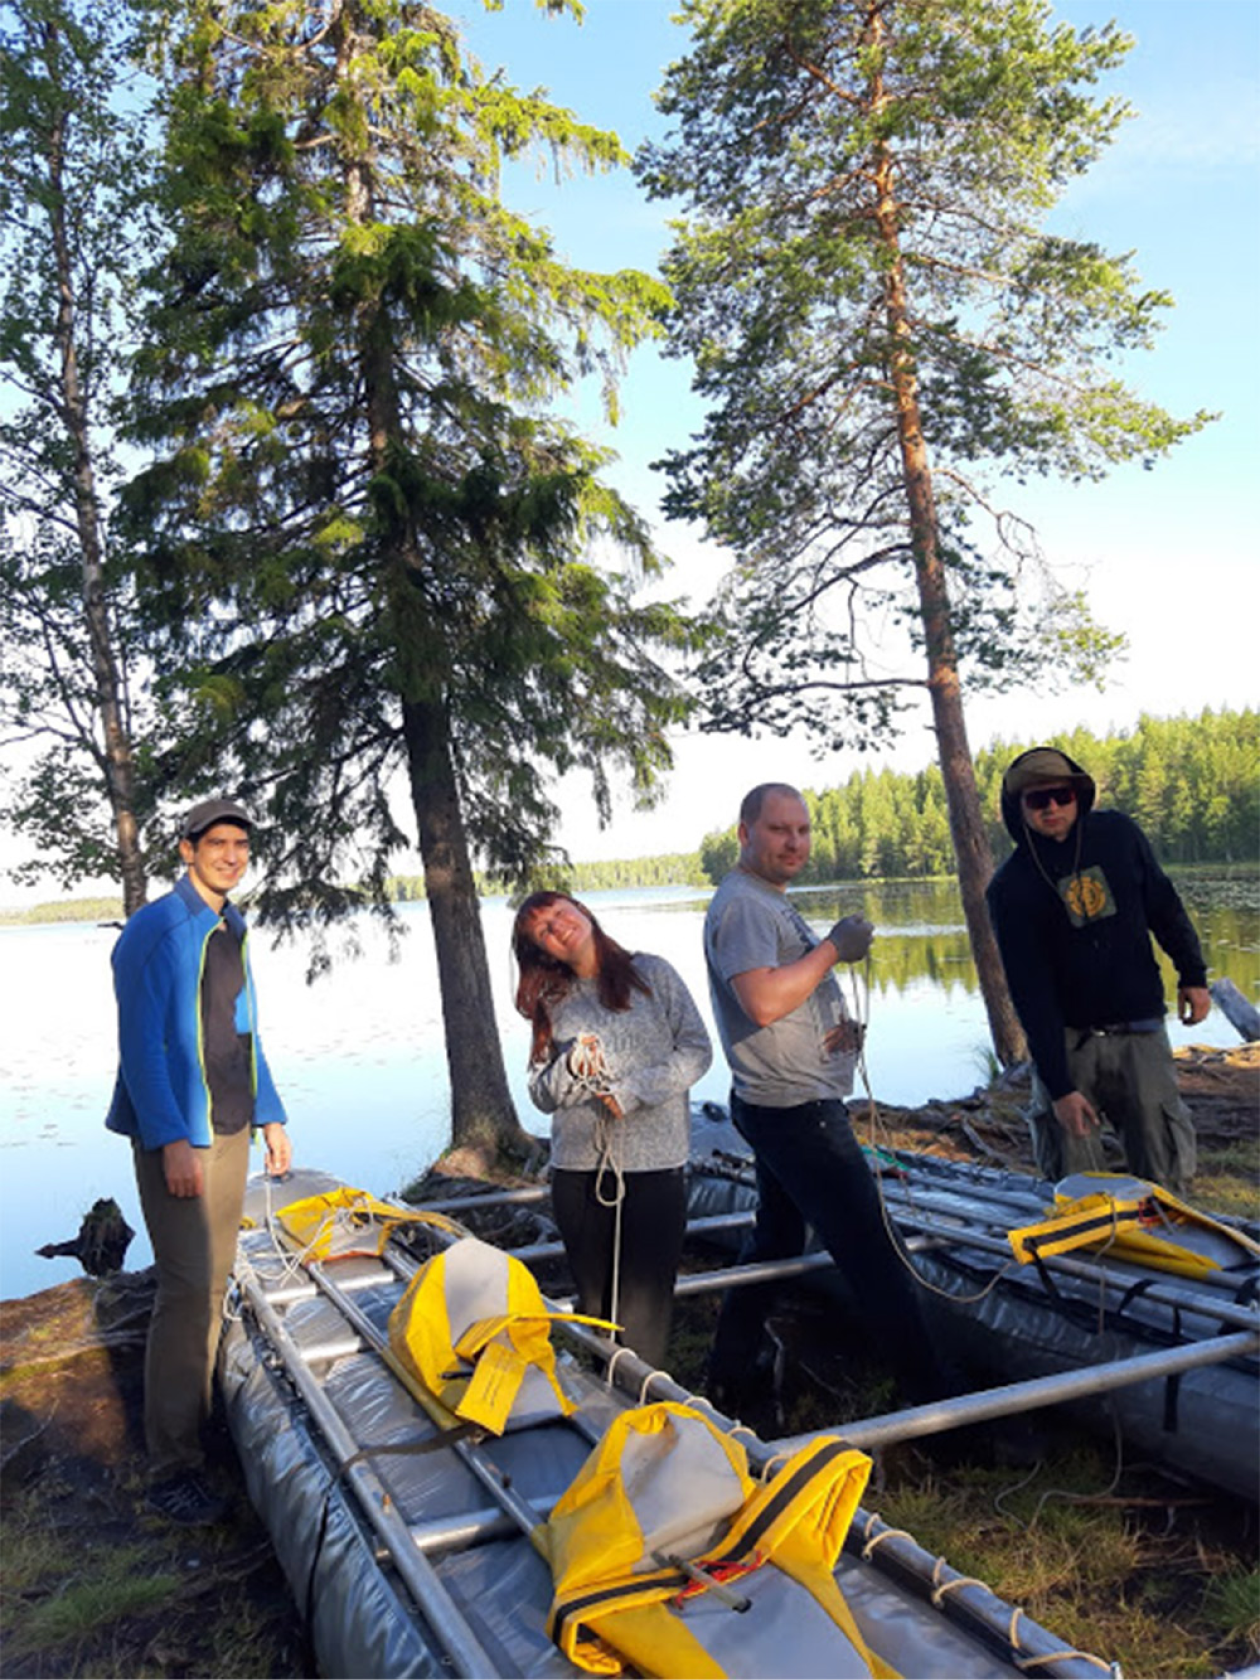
1190,783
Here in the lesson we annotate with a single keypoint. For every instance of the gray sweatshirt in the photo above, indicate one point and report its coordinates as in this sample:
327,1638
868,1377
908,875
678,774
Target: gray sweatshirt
656,1050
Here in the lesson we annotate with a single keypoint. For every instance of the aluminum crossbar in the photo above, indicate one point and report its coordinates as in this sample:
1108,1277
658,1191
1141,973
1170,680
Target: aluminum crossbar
1037,1391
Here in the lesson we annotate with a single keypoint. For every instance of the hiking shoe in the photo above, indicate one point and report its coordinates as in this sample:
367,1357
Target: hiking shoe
185,1499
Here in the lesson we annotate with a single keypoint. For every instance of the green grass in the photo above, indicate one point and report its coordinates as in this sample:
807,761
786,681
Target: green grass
1232,1604
81,1607
1159,1593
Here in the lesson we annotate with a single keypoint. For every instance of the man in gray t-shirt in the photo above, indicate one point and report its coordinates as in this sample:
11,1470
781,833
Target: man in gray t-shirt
753,928
791,1050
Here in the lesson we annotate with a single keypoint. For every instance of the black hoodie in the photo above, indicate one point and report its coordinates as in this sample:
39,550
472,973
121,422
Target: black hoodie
1073,920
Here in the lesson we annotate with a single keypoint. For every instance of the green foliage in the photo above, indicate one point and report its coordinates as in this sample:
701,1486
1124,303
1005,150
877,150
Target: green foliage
74,232
882,331
1190,782
366,540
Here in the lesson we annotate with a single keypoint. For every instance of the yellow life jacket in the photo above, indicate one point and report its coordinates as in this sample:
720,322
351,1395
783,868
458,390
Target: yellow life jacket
1137,1221
663,1536
344,1222
473,1332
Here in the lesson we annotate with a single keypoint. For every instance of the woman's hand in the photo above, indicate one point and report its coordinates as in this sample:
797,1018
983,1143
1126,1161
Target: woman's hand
587,1059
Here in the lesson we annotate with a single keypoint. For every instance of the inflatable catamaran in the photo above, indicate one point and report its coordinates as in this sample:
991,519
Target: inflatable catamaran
1103,1294
461,1478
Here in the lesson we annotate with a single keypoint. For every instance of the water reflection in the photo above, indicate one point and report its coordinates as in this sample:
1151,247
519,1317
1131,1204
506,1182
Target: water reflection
359,1056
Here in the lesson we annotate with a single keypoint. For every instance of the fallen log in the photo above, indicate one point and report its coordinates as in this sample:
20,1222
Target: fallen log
1240,1014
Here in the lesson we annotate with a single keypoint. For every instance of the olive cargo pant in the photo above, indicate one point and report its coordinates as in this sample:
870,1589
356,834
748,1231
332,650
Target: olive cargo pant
1129,1079
194,1244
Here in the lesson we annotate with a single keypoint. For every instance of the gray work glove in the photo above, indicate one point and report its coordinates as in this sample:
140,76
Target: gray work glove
852,938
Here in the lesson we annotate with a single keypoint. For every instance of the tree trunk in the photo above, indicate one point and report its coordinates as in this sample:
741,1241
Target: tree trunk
484,1123
483,1116
972,855
116,756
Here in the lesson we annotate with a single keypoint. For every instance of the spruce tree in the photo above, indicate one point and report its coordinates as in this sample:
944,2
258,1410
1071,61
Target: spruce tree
378,558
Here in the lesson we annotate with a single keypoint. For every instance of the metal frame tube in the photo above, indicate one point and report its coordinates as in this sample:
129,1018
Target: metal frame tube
1028,1396
435,1604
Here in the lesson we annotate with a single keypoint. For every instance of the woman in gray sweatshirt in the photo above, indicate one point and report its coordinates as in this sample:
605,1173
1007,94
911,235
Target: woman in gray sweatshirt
617,1045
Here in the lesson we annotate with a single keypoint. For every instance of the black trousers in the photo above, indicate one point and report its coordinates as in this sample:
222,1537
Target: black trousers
653,1222
811,1171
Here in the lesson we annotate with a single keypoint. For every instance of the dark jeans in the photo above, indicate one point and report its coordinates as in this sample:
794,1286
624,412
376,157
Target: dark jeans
811,1170
653,1223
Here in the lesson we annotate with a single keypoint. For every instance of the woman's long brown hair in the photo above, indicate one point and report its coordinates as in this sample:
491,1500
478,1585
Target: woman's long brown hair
545,981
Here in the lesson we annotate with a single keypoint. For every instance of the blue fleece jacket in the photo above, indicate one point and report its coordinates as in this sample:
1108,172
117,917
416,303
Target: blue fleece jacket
161,1093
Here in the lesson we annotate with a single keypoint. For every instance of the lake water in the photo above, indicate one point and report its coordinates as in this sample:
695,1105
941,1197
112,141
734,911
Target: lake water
359,1061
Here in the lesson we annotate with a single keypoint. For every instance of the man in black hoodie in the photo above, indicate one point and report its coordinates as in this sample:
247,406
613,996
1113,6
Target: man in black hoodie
1074,909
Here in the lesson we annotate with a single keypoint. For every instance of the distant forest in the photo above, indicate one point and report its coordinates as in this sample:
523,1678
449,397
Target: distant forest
1192,783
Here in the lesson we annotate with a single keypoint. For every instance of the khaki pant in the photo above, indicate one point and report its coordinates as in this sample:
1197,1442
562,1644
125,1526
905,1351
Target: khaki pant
1129,1079
194,1244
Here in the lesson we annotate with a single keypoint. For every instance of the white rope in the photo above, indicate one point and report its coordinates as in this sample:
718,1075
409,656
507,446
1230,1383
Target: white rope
589,1067
861,1019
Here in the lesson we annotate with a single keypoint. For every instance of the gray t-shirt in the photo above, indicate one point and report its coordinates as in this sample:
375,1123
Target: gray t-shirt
750,924
656,1050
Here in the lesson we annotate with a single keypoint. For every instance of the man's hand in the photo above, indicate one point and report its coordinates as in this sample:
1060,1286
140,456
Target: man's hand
1193,1004
852,938
181,1164
279,1149
1075,1114
846,1037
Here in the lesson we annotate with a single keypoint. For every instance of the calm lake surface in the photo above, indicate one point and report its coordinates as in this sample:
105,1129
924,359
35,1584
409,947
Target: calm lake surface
359,1060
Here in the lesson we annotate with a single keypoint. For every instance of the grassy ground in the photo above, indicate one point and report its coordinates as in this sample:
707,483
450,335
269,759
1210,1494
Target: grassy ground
1155,1575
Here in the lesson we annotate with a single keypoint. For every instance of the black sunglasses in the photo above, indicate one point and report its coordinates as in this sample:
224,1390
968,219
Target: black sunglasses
1037,799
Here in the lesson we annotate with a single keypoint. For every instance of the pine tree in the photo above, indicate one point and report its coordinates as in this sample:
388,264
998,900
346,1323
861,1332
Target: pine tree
880,325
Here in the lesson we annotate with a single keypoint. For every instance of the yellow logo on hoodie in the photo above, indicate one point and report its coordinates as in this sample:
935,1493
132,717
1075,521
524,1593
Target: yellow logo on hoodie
1087,896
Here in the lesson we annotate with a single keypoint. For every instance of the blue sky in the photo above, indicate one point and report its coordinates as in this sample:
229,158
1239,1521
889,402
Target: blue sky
1169,556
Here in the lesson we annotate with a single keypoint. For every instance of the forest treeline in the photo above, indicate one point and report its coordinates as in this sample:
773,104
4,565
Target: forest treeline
1193,783
670,869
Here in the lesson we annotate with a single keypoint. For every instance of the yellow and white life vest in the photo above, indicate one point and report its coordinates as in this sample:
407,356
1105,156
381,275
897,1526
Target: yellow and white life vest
473,1332
341,1223
1137,1221
669,1558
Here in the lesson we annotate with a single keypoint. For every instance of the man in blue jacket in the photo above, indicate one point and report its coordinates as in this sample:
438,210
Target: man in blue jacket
1074,909
192,1084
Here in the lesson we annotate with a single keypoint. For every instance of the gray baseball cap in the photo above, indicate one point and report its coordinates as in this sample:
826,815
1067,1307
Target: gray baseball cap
210,811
